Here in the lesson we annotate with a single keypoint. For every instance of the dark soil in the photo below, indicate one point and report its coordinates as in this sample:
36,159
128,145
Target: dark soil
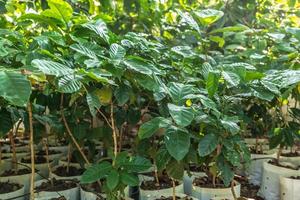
73,171
15,173
5,157
196,168
37,160
258,151
59,198
58,185
204,182
72,160
6,187
171,198
274,162
93,187
248,190
50,152
295,177
164,182
291,154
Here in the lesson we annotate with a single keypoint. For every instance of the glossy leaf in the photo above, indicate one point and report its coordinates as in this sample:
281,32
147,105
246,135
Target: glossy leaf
15,88
52,68
183,116
112,179
207,144
96,172
177,143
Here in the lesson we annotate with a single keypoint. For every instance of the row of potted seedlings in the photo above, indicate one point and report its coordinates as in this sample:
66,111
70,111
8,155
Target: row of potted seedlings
65,174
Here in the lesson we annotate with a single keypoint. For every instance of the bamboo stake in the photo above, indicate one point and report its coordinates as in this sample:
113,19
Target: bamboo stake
32,152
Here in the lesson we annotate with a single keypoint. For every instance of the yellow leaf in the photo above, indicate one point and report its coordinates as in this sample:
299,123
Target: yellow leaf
188,103
104,95
285,102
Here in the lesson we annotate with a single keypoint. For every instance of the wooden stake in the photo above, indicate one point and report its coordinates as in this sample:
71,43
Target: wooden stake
29,107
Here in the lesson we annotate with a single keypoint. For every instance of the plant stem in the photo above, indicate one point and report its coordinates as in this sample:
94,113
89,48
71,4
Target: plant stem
174,189
69,158
156,174
256,144
69,130
279,154
31,151
114,131
45,142
0,152
14,154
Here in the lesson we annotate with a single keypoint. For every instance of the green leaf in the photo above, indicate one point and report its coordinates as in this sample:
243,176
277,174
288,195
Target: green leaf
230,124
218,40
232,78
237,28
93,101
52,68
183,116
149,128
294,31
137,164
105,95
226,172
262,93
208,16
185,51
140,65
96,172
84,50
129,179
99,27
177,143
175,170
186,17
178,91
15,88
207,144
112,179
122,94
69,84
53,22
270,86
276,140
117,52
212,83
207,102
162,158
60,10
6,122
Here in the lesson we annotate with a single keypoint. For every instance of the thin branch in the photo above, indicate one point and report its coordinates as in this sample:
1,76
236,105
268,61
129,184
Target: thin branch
31,152
113,130
105,118
69,130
